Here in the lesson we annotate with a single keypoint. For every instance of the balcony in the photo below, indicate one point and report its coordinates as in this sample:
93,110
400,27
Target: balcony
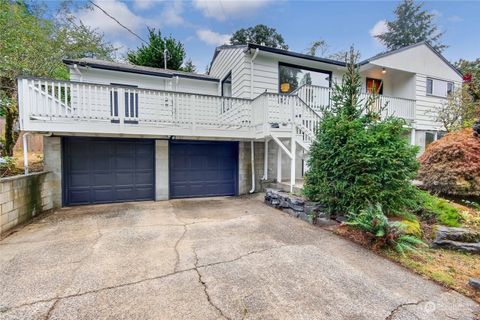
79,107
318,98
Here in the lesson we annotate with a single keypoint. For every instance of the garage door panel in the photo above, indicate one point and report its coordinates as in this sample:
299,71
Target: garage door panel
80,179
101,170
80,196
144,178
102,179
125,162
203,168
102,195
143,163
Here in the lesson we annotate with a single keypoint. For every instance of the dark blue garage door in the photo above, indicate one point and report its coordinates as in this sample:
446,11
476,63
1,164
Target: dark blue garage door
203,169
98,170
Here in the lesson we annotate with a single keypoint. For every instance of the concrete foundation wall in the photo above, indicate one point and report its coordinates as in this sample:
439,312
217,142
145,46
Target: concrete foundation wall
161,170
52,162
23,197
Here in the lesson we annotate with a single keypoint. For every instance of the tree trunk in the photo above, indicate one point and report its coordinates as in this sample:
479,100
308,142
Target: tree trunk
11,134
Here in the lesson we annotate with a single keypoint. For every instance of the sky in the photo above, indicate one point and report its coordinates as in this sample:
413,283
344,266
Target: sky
204,24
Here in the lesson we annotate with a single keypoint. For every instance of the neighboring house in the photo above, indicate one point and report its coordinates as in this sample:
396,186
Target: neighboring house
118,132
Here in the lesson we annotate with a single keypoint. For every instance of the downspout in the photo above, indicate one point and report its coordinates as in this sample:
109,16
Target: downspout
251,72
25,152
252,153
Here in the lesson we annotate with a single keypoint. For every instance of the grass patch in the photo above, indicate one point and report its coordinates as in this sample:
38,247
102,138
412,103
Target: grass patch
452,269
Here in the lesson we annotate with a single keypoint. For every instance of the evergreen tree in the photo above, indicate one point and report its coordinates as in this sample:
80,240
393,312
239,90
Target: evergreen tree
358,160
153,53
260,34
34,44
411,25
189,66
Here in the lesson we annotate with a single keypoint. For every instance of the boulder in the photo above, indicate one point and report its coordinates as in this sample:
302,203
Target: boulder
456,234
472,247
475,283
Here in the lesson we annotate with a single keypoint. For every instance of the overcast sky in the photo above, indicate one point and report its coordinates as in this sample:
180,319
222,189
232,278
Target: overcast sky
204,24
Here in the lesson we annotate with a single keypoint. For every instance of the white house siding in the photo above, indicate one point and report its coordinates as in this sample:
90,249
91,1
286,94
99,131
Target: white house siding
101,76
233,60
428,106
265,71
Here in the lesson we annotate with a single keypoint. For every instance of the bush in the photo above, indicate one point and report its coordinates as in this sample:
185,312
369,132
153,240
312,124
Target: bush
8,166
451,165
357,159
439,209
383,233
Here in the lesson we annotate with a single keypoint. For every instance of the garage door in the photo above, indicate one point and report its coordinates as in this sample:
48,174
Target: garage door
203,169
108,170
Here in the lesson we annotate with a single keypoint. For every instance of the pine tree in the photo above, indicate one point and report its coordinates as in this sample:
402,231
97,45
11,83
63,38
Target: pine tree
411,25
152,54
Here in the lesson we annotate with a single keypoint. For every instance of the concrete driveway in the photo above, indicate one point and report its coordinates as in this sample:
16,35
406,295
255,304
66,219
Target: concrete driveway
232,258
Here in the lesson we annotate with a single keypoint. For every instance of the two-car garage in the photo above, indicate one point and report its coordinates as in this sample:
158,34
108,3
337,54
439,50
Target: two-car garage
105,170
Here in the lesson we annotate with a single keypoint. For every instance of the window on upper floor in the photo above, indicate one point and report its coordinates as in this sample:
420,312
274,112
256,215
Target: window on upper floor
374,85
439,88
292,77
227,86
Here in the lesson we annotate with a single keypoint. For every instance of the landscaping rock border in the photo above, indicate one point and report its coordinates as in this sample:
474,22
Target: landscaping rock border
312,212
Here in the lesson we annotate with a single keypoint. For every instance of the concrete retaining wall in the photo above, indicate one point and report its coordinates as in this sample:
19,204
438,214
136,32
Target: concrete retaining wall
23,197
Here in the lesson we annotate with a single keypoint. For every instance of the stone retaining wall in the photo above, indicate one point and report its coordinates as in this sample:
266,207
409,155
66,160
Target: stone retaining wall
23,197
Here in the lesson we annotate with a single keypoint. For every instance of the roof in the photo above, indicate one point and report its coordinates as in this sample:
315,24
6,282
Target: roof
126,67
388,53
329,61
276,51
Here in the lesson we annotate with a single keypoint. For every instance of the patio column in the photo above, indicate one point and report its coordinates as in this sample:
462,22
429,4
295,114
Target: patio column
293,148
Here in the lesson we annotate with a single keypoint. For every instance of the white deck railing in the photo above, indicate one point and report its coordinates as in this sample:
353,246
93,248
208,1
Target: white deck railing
318,98
106,106
79,107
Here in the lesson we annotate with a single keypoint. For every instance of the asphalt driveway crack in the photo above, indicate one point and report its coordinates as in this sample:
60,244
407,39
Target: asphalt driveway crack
400,306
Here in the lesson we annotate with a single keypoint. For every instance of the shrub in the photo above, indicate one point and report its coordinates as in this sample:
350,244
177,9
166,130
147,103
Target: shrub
441,210
7,166
451,165
357,159
383,233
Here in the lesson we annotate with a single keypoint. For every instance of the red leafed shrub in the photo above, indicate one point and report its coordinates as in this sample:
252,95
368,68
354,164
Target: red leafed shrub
451,165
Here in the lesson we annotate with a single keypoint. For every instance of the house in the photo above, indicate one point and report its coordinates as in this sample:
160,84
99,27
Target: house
118,132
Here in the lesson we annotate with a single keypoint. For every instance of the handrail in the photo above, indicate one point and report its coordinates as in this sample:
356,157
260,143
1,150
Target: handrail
119,85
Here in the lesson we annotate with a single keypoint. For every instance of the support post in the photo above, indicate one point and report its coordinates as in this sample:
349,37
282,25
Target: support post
292,163
412,137
25,152
279,164
265,160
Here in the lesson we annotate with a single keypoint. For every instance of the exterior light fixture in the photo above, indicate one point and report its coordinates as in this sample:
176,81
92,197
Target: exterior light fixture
384,70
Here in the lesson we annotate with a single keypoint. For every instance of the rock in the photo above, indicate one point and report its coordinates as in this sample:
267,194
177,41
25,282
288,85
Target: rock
295,206
472,247
324,222
456,234
475,283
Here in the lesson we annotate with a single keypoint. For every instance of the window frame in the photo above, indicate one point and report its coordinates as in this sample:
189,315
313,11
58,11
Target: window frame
229,75
284,64
447,94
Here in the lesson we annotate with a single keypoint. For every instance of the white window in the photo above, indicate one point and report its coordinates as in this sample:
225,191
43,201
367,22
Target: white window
439,88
